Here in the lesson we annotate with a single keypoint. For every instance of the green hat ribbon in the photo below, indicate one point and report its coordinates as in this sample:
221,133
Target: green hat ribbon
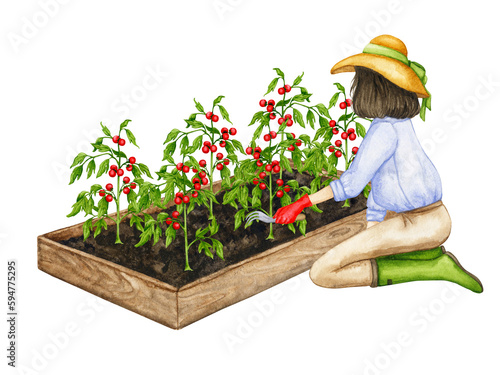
419,70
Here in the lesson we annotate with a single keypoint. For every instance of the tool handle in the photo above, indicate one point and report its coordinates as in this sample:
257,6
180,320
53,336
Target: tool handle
300,217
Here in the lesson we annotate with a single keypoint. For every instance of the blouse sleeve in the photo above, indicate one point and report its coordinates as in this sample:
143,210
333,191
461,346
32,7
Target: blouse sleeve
376,148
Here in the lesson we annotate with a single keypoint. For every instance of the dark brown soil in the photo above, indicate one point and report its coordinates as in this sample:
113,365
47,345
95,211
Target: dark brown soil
167,264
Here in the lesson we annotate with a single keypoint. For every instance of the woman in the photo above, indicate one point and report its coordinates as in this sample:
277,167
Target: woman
406,220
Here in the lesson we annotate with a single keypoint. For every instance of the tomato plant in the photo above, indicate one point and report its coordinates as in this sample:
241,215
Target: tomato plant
276,118
187,193
210,140
122,164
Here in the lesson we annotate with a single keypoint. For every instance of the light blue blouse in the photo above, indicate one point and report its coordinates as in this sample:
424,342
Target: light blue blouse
390,156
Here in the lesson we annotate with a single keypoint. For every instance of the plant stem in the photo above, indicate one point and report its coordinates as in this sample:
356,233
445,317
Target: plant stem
211,178
186,245
211,181
346,203
282,135
271,204
117,199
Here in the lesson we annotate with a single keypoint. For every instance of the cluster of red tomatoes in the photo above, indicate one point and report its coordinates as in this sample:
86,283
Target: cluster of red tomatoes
351,135
115,171
176,225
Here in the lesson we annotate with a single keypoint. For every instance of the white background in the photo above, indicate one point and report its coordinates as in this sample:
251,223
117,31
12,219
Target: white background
71,70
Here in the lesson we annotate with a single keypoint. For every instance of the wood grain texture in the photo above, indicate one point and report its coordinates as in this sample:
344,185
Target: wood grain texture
262,271
122,286
177,308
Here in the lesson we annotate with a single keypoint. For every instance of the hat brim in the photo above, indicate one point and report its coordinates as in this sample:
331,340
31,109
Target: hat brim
395,71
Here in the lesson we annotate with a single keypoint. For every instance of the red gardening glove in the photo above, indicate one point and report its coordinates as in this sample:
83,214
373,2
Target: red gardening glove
288,214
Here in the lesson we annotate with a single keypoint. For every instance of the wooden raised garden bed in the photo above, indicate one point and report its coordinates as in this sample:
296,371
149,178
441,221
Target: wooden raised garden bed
177,306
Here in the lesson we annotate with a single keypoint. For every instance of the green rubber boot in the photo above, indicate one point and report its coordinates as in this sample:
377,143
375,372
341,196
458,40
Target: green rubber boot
417,255
443,267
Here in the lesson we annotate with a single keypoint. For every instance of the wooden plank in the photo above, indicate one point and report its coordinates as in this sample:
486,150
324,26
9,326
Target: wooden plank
122,286
262,271
176,308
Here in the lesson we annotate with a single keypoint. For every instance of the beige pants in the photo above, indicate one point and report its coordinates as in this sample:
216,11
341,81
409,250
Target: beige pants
348,264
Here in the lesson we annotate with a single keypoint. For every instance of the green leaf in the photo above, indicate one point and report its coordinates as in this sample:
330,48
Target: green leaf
258,132
272,86
131,137
184,144
217,245
135,220
218,100
298,118
76,174
79,159
297,160
243,196
237,144
315,183
77,207
87,226
145,236
170,149
103,168
256,194
205,247
105,130
345,117
360,130
302,227
124,124
323,122
156,235
366,191
195,146
172,135
102,207
285,163
101,148
238,218
320,132
119,154
340,87
230,196
256,117
95,188
99,141
334,100
323,110
305,138
285,200
195,124
301,97
99,225
199,107
298,79
81,195
310,118
316,209
170,235
224,114
279,72
291,227
90,168
88,206
167,156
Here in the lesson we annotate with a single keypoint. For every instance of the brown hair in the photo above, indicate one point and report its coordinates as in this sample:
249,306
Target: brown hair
375,96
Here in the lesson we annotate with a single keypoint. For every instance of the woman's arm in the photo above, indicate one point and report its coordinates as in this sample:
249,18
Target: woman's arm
322,195
376,148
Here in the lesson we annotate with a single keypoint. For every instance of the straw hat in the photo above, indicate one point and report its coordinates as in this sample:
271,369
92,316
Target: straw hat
388,56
